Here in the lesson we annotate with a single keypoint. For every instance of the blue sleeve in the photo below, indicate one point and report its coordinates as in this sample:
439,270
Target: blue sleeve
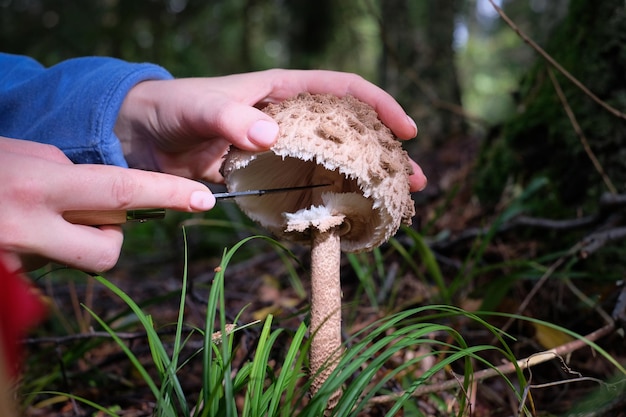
72,105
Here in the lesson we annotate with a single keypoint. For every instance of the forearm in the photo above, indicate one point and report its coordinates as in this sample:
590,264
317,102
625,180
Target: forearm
79,112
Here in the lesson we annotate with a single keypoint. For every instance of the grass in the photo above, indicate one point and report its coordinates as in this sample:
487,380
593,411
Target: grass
282,390
400,354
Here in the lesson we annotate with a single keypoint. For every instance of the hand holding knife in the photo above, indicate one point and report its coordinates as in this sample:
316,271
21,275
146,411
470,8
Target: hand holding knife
104,217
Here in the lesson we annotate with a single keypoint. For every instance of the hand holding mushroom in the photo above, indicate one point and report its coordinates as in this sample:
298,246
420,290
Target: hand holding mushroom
185,126
341,142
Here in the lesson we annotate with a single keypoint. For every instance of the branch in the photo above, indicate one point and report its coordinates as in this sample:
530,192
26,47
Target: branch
60,340
580,134
505,369
519,221
595,241
556,65
529,297
608,215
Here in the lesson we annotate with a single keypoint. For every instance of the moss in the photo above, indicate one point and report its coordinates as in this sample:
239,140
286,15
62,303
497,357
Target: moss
540,139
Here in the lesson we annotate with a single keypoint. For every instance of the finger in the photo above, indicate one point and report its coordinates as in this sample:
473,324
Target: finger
417,180
101,187
287,83
11,261
29,148
244,126
82,247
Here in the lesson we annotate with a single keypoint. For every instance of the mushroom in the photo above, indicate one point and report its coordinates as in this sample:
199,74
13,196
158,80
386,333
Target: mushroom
324,139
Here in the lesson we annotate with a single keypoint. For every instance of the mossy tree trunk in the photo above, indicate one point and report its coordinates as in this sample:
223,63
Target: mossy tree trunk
541,141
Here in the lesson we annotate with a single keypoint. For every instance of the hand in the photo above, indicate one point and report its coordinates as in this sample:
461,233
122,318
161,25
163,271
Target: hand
39,184
185,126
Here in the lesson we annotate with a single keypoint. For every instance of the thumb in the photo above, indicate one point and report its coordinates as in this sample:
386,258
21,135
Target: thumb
245,126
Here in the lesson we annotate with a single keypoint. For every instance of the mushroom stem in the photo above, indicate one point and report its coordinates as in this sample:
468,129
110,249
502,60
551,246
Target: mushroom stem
325,307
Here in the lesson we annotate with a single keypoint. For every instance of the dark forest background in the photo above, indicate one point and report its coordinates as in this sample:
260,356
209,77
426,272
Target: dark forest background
455,66
522,124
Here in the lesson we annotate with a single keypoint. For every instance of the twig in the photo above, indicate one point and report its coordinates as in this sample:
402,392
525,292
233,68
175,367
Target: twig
582,248
608,205
569,381
567,224
619,312
537,286
604,407
520,221
505,369
556,65
609,201
60,340
588,301
580,133
595,241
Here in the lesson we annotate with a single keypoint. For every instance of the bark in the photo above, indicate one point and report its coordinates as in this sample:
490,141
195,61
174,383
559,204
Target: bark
541,141
418,64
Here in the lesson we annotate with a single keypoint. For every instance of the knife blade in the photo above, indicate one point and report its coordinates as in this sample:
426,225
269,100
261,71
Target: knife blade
105,217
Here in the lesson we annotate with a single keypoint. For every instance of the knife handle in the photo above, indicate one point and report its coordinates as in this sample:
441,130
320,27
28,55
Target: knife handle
104,217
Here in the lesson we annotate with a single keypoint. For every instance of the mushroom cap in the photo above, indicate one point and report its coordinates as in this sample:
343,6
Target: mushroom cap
324,139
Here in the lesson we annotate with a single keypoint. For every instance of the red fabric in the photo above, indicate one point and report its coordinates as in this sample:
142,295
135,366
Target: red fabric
20,310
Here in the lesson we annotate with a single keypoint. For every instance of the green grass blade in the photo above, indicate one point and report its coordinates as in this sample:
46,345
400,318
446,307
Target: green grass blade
131,356
85,401
154,340
364,274
289,374
428,260
218,390
254,395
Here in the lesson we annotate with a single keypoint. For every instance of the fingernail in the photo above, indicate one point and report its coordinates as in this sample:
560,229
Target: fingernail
424,184
263,133
413,124
201,201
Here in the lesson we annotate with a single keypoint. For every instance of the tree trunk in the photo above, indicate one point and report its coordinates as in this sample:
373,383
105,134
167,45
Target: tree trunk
541,140
418,65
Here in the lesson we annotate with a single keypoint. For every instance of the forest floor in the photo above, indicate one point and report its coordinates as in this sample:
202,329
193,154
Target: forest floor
74,360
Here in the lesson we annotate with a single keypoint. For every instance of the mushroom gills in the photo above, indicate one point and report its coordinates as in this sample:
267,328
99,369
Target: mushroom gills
343,196
351,212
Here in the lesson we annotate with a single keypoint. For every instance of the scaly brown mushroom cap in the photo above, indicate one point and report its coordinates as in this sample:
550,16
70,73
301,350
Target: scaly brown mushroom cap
327,140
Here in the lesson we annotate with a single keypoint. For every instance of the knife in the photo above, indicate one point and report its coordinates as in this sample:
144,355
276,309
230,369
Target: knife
103,217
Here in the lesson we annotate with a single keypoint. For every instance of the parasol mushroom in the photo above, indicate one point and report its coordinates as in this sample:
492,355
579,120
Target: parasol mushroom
324,139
